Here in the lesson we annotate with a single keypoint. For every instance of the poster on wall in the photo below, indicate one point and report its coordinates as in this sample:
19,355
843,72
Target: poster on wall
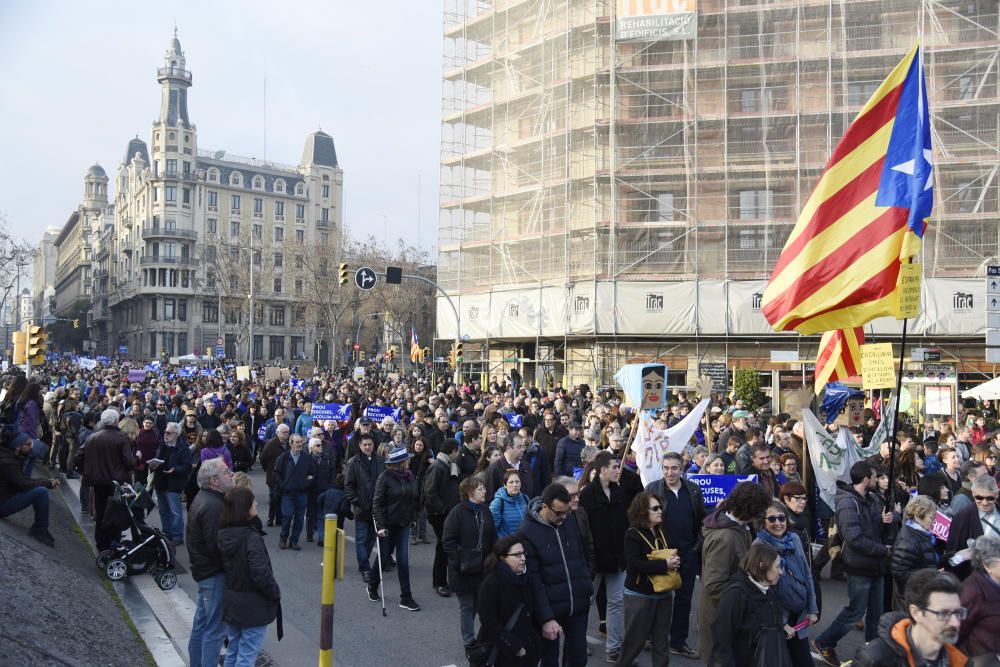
656,20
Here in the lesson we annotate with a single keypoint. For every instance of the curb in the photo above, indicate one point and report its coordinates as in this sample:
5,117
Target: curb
163,618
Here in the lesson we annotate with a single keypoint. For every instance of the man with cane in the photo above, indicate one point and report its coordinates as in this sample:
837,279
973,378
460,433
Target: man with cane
363,469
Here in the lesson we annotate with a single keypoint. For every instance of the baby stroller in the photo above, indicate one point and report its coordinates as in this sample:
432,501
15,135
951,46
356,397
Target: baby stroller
147,550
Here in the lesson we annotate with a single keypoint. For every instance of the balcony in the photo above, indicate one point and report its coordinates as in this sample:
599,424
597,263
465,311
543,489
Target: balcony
173,73
168,232
100,273
149,260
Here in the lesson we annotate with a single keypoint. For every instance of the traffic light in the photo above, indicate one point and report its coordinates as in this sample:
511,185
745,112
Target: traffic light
458,352
76,324
343,273
20,343
392,353
451,357
362,353
37,344
425,354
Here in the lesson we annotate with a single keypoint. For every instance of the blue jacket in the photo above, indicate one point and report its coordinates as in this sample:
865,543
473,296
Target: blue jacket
558,572
303,424
294,478
568,455
508,512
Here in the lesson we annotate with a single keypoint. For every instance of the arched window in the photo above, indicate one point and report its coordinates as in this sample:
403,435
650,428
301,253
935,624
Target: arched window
234,178
258,183
300,189
279,185
213,175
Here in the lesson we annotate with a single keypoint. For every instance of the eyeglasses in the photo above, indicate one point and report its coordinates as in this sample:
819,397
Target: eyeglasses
655,508
944,614
780,518
516,554
985,497
801,498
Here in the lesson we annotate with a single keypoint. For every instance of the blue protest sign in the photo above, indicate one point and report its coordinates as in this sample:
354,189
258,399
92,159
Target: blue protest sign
377,413
515,421
262,433
716,488
336,411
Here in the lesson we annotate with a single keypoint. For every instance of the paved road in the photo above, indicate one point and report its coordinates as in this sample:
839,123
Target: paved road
429,638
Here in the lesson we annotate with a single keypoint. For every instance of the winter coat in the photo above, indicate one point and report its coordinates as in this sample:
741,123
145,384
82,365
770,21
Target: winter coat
273,448
109,458
497,601
508,512
496,471
467,461
395,501
201,534
242,457
538,463
440,492
638,566
608,520
468,537
568,455
326,473
725,543
914,550
980,632
359,484
860,524
178,459
252,595
795,589
742,612
557,566
12,479
891,647
147,443
216,453
698,509
548,441
291,478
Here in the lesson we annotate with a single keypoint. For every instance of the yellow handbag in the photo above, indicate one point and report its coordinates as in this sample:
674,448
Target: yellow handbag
662,583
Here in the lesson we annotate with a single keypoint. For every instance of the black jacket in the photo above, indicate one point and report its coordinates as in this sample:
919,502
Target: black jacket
108,458
359,484
742,612
608,521
12,479
176,458
242,457
395,502
467,461
468,536
493,477
913,551
293,478
496,603
557,566
440,492
698,509
638,566
887,651
860,524
252,595
201,534
326,473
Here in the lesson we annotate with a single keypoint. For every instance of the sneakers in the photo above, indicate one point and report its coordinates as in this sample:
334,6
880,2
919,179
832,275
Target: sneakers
309,538
282,543
294,546
408,603
443,591
602,628
42,535
373,593
367,576
270,523
829,655
612,657
684,651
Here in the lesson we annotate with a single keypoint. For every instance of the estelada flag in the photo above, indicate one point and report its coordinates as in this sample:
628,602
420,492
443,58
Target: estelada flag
839,356
867,215
414,345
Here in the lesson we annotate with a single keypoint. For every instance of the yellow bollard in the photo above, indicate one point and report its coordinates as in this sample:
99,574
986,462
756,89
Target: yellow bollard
330,548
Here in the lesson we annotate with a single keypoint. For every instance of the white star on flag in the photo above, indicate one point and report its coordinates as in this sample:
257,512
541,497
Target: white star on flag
908,167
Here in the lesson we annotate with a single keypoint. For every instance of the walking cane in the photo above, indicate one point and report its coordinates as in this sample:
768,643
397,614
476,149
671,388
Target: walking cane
381,579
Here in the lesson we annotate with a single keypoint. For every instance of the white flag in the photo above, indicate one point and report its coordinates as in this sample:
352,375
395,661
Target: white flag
651,444
832,457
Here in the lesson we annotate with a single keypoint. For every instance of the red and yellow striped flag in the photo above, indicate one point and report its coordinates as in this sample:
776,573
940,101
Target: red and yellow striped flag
839,356
867,214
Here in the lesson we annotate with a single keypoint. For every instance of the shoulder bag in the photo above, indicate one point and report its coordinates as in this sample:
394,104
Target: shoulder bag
662,583
485,653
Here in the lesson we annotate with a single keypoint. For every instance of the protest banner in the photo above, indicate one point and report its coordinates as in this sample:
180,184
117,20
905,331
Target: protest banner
335,411
377,413
89,364
651,443
942,526
831,456
716,488
242,372
136,376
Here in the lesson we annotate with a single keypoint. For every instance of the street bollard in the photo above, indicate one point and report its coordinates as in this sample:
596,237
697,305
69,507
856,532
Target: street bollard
333,568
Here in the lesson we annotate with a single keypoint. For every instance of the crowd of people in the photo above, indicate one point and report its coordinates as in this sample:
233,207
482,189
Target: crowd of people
537,512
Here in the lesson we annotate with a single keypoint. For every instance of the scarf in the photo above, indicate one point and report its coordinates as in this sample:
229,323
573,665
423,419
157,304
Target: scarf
508,577
445,459
792,586
404,475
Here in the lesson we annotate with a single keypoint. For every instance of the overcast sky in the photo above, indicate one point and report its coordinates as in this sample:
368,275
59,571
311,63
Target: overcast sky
79,80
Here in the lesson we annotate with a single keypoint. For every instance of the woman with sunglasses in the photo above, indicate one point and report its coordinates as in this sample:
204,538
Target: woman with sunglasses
796,593
505,592
647,613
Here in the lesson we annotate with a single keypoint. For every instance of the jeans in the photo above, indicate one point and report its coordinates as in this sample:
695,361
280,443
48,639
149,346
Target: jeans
467,616
207,630
397,540
364,542
864,595
171,515
421,525
681,622
440,569
574,643
244,645
38,498
614,583
293,510
274,504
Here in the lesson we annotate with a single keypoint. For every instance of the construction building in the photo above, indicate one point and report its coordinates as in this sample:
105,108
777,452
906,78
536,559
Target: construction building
618,178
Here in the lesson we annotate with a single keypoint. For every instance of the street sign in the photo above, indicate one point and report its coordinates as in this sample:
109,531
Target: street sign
993,319
220,351
356,347
218,341
993,270
393,275
365,278
123,349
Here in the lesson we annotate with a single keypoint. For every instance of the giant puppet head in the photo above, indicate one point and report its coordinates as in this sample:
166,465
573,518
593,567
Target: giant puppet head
843,405
645,385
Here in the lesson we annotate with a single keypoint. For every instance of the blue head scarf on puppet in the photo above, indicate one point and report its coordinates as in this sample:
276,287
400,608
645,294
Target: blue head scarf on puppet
645,385
835,399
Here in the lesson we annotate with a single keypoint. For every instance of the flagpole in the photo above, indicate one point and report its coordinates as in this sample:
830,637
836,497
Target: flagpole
891,493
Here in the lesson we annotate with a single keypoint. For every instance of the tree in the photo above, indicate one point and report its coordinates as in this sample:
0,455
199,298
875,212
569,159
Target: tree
15,255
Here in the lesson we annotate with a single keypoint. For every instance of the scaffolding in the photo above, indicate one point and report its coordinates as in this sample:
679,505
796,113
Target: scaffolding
569,158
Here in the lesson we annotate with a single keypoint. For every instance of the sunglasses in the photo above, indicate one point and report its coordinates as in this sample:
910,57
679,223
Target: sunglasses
781,518
985,497
655,508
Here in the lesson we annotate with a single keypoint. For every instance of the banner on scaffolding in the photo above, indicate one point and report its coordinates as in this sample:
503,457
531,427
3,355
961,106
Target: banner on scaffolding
656,20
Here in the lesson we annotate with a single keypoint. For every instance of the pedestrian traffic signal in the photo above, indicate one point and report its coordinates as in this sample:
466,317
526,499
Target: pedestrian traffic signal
20,343
343,273
37,343
76,324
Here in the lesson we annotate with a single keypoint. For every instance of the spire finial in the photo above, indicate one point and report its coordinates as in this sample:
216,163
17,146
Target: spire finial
175,28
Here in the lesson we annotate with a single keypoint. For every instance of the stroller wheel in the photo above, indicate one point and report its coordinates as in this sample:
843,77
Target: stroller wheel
166,580
104,558
116,569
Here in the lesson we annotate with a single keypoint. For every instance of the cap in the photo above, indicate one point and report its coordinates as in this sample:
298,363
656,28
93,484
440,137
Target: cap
715,410
365,420
397,455
740,414
574,424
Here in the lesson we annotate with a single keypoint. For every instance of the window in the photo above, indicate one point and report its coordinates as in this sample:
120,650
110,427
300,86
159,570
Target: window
300,212
324,238
172,168
299,262
277,347
156,194
187,169
300,236
277,285
168,309
324,267
258,231
210,280
279,185
258,206
213,199
300,189
969,194
156,167
258,183
298,291
277,316
171,193
234,178
298,316
298,347
234,316
182,310
185,279
326,189
186,196
279,234
153,352
234,229
258,347
234,203
966,88
256,257
182,343
324,215
858,92
665,206
213,226
279,208
209,312
234,254
279,260
234,282
213,175
152,309
756,204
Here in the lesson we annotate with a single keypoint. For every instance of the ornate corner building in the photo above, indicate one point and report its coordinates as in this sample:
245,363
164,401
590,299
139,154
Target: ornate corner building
199,248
